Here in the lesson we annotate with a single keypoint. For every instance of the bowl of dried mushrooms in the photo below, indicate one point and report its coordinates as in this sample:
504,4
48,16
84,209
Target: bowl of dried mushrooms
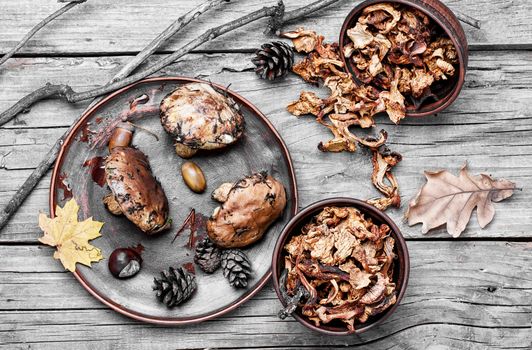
412,53
340,266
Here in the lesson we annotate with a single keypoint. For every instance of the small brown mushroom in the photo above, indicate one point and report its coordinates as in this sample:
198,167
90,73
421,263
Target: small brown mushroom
248,208
200,117
135,191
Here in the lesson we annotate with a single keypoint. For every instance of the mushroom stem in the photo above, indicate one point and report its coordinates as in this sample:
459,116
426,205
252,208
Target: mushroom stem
122,136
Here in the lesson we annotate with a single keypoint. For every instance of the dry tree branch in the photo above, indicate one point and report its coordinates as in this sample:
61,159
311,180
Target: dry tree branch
62,90
38,27
315,6
302,12
473,22
66,92
156,43
277,18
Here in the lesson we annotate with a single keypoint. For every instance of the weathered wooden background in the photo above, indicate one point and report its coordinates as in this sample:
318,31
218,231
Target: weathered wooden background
473,292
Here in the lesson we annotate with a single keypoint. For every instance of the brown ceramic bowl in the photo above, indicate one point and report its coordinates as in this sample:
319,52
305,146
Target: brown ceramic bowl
401,269
448,22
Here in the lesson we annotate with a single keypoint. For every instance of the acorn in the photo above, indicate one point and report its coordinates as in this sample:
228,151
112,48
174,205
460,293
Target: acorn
193,177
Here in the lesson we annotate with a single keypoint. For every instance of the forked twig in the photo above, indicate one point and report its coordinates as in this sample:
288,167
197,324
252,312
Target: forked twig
45,164
38,27
156,43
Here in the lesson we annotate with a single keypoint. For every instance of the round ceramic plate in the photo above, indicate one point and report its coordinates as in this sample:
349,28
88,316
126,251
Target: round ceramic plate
78,174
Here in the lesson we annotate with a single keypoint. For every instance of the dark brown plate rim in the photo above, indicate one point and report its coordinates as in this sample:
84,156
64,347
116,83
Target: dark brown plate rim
110,303
365,207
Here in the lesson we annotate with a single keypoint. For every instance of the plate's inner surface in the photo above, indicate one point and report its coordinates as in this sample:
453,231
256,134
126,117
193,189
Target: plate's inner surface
258,150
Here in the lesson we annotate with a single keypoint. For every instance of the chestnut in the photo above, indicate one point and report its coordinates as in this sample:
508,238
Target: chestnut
124,262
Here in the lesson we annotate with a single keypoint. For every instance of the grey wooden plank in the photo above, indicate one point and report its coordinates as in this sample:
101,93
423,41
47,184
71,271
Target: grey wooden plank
488,126
489,73
85,330
457,297
123,26
23,75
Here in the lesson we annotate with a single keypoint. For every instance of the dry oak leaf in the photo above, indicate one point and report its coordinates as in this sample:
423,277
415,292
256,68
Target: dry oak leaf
70,236
448,199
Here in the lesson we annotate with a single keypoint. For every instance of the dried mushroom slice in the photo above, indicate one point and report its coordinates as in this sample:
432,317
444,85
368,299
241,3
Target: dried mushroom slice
360,36
308,103
383,179
382,16
394,101
304,40
350,105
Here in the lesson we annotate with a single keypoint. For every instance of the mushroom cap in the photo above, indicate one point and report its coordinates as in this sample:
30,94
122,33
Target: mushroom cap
200,117
248,209
138,193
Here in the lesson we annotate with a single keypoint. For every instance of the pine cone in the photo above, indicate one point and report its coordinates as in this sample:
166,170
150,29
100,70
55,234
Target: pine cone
273,60
207,255
236,267
175,286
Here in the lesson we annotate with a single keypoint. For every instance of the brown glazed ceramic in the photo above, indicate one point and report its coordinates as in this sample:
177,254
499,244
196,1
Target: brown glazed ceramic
261,148
401,271
445,18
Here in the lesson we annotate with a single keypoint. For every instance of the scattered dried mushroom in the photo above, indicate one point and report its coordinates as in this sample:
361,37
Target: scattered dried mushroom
347,106
382,178
340,268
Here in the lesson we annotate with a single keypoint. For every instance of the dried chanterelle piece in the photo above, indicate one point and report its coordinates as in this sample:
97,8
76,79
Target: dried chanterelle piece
135,192
340,268
248,208
383,179
200,118
347,106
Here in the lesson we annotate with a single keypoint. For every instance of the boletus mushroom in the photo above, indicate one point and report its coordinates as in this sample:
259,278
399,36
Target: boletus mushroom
135,192
200,118
248,208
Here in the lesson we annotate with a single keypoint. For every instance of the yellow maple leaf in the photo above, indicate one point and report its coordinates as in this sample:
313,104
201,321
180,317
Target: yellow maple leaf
70,236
